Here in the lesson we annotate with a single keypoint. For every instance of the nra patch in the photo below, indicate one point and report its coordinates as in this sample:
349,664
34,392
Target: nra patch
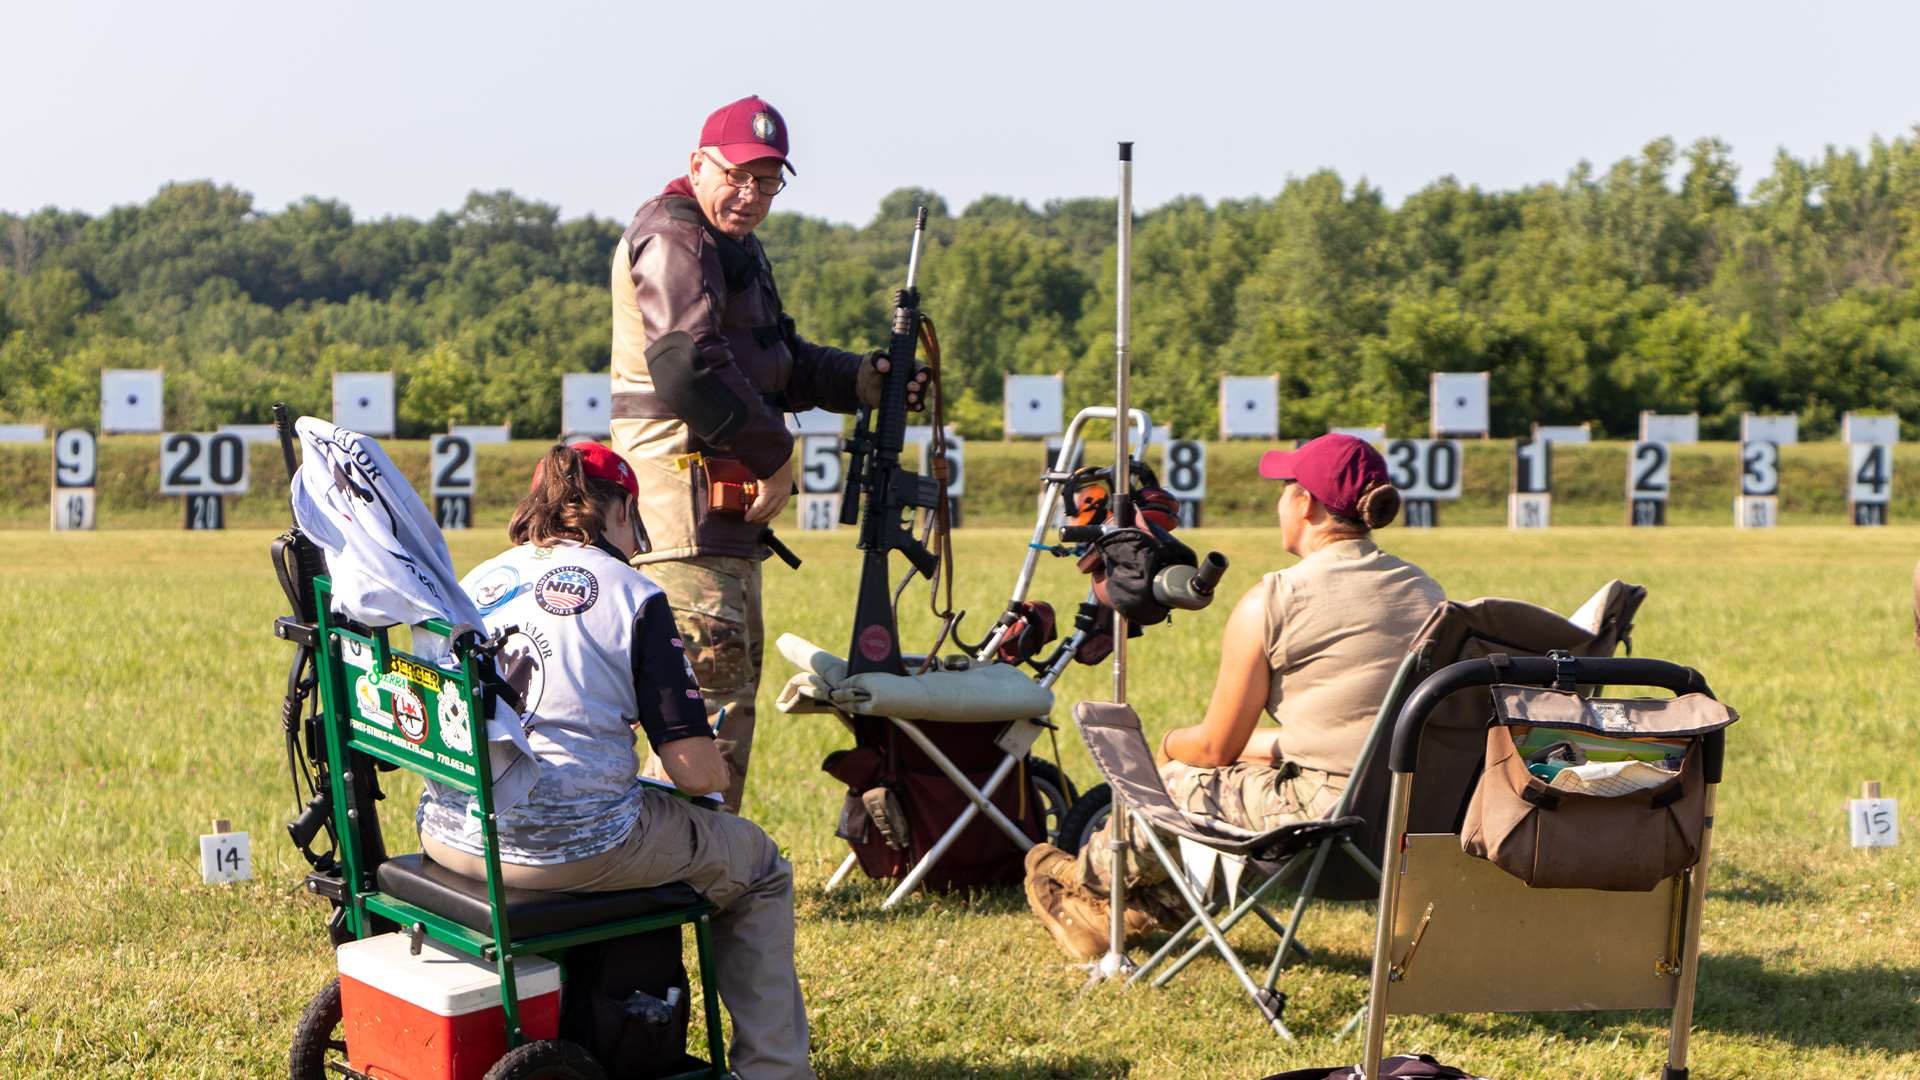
566,590
764,128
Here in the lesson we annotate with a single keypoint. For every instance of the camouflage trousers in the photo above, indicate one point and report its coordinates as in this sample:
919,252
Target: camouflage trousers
1252,796
716,605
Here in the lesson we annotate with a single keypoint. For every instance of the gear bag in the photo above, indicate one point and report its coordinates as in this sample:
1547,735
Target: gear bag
1626,803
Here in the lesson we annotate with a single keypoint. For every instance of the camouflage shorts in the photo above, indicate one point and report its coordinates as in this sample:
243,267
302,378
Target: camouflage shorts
1251,796
716,604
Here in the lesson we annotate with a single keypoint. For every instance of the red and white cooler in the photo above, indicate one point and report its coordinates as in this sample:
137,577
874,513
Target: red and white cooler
436,1016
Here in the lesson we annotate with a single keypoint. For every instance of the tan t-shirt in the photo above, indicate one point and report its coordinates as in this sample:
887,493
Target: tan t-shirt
1338,623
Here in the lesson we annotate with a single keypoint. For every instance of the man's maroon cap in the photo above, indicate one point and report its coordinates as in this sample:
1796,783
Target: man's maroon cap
598,461
1336,469
747,130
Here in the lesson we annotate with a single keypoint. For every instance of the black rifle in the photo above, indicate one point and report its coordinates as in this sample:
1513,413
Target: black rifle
890,491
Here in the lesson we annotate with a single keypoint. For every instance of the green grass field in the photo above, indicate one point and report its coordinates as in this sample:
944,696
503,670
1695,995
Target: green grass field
140,695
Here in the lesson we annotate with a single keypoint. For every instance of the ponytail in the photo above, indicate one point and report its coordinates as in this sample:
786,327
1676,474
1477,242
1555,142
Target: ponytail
564,503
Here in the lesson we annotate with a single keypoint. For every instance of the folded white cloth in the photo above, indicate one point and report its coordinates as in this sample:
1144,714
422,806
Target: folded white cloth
388,563
989,694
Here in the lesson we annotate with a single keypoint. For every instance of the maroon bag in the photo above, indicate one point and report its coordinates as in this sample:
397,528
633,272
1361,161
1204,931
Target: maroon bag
881,758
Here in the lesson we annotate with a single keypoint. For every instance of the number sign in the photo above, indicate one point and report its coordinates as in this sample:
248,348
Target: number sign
1874,822
203,463
225,857
817,512
821,469
956,462
206,512
1870,466
1425,468
1649,475
1532,466
75,464
1759,468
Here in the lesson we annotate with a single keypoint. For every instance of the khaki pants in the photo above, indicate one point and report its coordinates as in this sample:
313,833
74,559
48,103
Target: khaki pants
737,867
716,604
1254,797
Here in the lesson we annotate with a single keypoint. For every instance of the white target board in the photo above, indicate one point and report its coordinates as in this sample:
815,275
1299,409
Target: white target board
1857,428
1033,406
1674,429
203,463
1758,504
1376,436
483,434
363,402
131,401
23,432
1249,406
76,461
1649,477
1459,404
1778,430
1571,434
586,404
252,433
815,422
1870,483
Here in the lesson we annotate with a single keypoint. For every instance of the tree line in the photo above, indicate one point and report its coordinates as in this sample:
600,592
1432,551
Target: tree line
1659,283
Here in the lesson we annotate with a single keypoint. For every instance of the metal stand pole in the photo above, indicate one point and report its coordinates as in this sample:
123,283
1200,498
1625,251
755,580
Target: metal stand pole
1115,963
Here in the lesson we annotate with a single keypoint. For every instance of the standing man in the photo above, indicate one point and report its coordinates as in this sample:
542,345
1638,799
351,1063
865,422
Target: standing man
705,362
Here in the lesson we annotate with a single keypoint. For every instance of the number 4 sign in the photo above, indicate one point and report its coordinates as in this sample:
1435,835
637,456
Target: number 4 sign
225,856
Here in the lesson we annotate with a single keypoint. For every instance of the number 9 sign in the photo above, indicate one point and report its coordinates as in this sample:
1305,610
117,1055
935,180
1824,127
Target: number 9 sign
75,465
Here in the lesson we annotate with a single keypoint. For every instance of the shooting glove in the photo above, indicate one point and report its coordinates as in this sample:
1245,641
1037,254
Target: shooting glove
872,378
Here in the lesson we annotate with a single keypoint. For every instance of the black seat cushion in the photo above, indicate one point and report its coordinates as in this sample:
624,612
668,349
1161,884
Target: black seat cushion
419,880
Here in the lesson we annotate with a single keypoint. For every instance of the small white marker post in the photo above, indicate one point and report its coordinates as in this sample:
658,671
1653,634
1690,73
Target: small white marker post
225,856
1875,821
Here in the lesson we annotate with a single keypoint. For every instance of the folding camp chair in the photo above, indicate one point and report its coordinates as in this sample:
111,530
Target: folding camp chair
1446,917
1113,737
1454,631
985,694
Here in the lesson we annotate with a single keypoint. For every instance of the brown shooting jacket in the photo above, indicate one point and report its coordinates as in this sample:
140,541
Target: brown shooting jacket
671,271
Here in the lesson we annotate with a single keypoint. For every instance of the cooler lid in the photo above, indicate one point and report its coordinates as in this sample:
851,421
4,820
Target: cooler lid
440,980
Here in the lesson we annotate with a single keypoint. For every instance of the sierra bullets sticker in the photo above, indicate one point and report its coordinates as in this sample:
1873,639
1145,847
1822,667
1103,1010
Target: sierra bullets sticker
455,730
566,590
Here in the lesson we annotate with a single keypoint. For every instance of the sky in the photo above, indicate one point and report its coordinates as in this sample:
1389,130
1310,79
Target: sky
401,108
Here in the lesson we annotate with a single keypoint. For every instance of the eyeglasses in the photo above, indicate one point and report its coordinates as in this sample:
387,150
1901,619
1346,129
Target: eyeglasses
741,178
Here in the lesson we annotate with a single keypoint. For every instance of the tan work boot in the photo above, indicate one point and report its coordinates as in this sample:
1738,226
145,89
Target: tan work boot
1081,937
1084,906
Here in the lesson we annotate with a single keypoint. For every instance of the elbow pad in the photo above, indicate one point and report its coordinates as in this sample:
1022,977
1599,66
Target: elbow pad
711,407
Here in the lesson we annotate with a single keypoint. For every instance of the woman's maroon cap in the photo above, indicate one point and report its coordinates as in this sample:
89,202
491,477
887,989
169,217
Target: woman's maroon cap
599,461
1336,469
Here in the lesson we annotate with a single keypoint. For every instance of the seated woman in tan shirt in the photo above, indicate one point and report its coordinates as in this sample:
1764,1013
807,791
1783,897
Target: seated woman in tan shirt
1314,646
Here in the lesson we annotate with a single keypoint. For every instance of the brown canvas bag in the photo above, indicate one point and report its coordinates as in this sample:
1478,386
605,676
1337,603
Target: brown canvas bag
1557,839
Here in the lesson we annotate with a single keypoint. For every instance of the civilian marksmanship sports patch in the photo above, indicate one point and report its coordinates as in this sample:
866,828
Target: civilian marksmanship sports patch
566,590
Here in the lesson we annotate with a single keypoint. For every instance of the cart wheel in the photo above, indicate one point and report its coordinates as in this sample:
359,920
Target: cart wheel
548,1059
1087,817
317,1039
1056,792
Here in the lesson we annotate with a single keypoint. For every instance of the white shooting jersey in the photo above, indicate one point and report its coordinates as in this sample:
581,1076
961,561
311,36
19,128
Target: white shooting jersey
572,658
